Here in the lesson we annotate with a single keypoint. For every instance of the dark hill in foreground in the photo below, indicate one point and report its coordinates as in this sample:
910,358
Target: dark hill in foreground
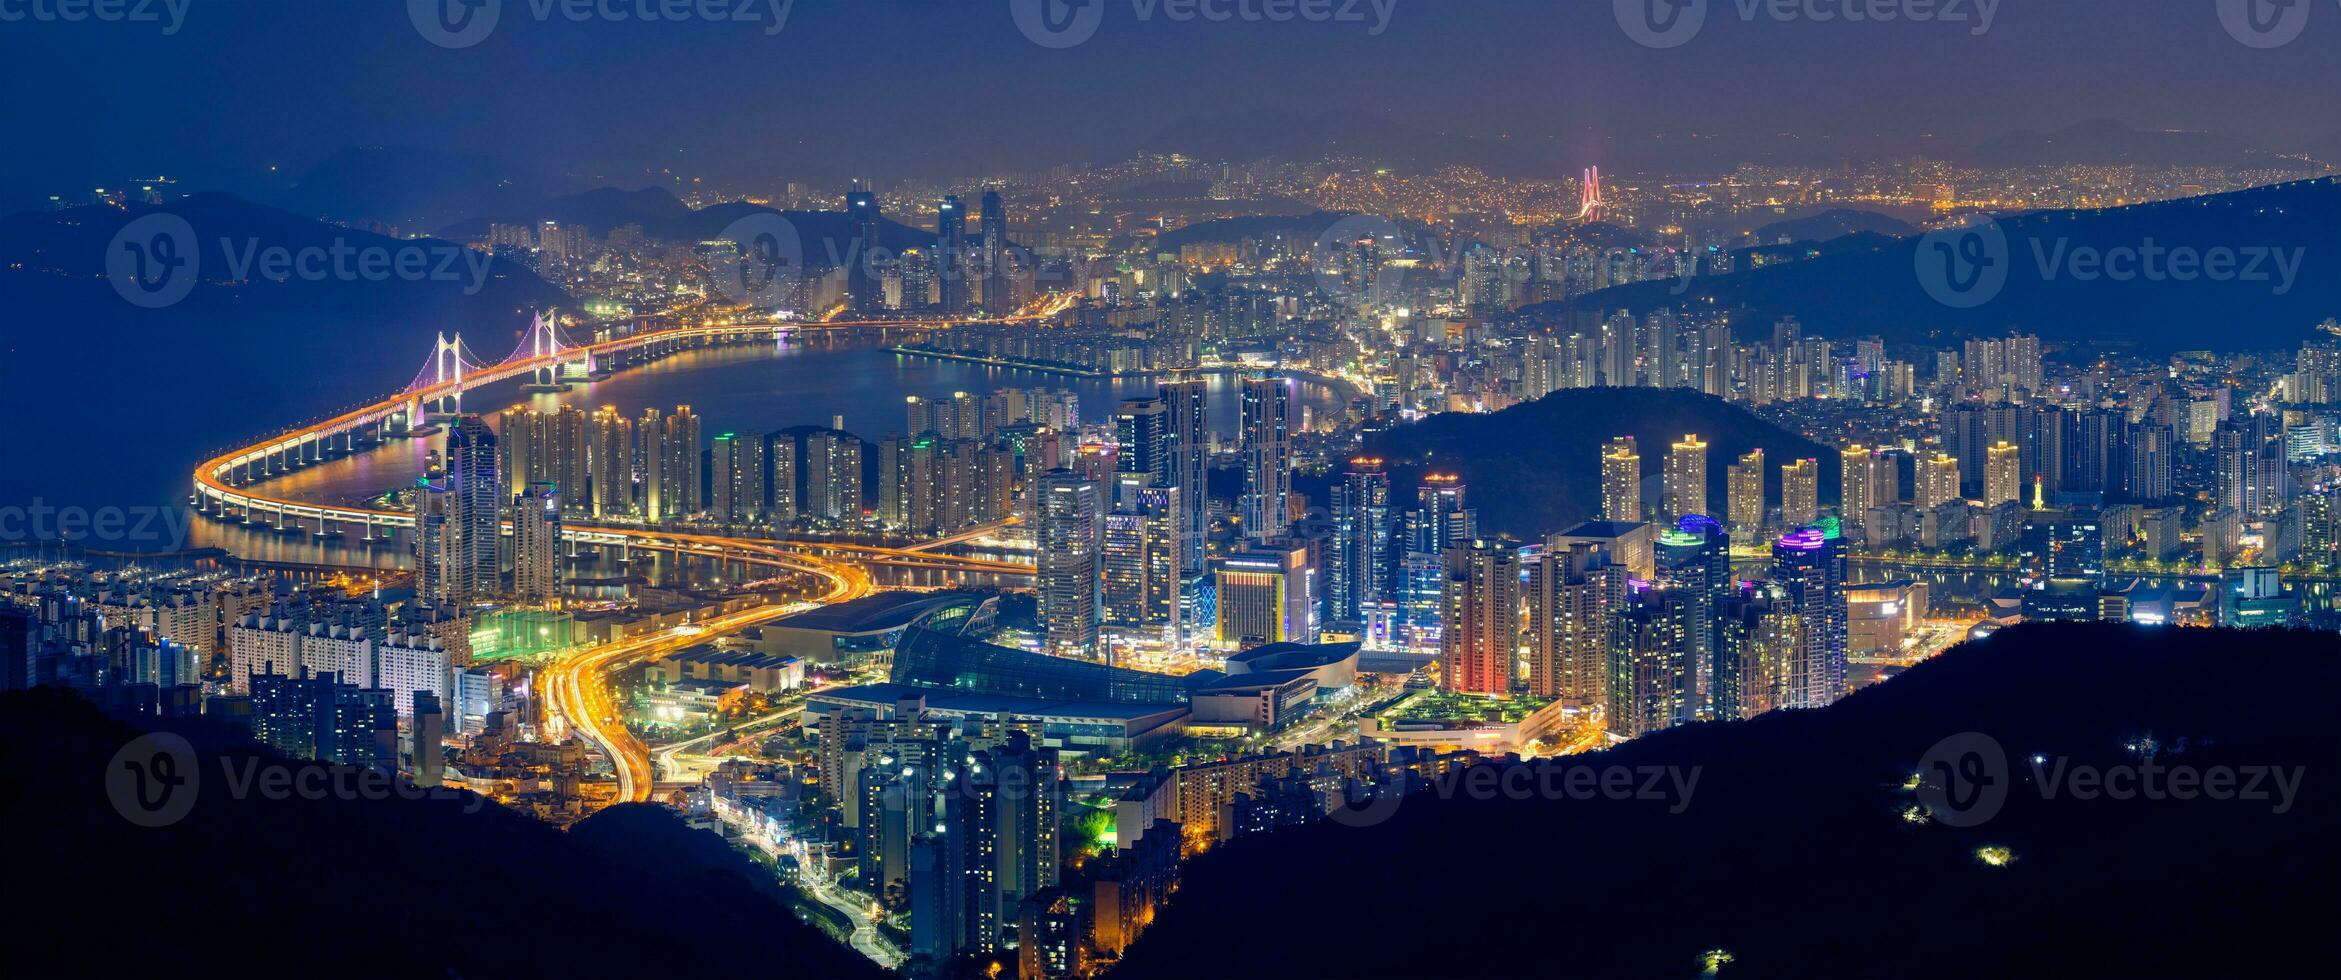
337,887
1794,855
1536,468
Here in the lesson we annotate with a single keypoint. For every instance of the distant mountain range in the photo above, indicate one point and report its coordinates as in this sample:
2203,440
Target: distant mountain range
2110,142
1789,845
2047,272
1535,469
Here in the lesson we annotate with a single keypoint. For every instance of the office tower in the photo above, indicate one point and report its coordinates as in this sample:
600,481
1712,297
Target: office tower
1267,503
1068,568
1686,478
1570,593
951,253
1361,539
1808,579
1800,492
861,279
1938,482
998,299
613,463
1621,481
833,477
1649,662
474,569
1142,439
536,546
1140,555
1480,618
1187,405
682,476
2002,474
1264,596
1744,493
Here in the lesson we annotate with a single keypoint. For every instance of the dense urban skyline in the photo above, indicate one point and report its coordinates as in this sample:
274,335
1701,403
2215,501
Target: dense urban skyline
1068,489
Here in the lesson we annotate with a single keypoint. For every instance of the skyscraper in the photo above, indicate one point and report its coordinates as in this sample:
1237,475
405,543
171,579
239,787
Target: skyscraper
739,475
1808,582
536,546
650,462
1361,532
1481,618
833,477
613,463
1744,493
1686,478
1187,405
1142,439
1938,481
1649,657
682,474
1140,557
1068,573
476,568
2002,475
998,299
951,254
1800,492
1694,564
861,279
1267,499
1621,481
1570,594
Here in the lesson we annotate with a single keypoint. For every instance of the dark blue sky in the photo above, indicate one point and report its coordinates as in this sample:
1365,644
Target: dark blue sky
897,87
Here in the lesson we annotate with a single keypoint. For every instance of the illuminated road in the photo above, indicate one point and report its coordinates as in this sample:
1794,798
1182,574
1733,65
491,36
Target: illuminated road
577,686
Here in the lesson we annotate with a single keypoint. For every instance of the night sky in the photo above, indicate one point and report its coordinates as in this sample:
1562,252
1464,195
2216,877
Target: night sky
911,87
